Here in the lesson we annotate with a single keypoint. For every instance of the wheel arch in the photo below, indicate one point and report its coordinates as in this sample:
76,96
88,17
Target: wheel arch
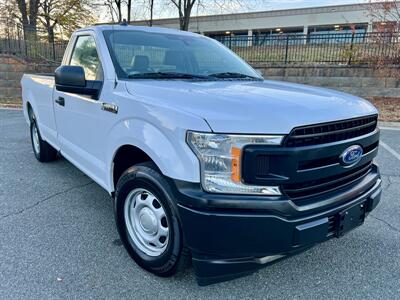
167,149
125,157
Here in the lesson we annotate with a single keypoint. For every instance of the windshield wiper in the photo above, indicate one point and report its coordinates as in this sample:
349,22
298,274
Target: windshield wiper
229,75
167,75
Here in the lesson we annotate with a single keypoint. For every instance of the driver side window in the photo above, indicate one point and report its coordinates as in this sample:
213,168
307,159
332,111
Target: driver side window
85,55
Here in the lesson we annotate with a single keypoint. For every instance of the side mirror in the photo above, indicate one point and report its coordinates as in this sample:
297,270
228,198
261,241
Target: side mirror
71,79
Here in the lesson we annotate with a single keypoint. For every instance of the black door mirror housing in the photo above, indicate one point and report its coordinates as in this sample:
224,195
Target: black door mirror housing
71,79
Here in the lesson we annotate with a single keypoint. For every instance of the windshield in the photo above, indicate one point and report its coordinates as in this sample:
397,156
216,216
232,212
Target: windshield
148,55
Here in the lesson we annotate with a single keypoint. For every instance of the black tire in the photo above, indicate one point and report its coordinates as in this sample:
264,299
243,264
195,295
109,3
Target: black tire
176,256
44,152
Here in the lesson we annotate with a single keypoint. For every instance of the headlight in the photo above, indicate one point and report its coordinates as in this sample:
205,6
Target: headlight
220,161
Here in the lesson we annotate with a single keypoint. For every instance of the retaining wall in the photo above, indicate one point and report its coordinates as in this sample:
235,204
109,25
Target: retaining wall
11,71
361,81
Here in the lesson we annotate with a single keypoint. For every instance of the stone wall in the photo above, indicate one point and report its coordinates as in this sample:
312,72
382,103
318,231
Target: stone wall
361,81
11,71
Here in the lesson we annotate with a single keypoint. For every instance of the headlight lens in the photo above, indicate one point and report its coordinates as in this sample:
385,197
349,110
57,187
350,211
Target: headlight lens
220,160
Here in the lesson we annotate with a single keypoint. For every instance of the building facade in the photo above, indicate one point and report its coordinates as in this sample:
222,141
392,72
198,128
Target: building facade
310,21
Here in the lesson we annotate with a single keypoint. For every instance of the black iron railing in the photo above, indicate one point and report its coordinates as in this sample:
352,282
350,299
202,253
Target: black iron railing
33,49
338,48
334,48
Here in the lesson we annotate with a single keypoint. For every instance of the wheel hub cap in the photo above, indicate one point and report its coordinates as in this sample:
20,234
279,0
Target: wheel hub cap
146,222
35,138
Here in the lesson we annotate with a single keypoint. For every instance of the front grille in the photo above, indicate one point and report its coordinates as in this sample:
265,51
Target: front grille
330,132
313,188
330,160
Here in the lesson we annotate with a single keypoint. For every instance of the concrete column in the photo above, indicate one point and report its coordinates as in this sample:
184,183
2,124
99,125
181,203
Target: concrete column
370,27
250,37
305,32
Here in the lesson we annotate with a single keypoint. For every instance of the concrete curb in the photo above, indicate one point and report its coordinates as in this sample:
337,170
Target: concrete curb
10,107
389,124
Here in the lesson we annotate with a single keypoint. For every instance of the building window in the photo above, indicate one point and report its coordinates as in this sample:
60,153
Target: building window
337,34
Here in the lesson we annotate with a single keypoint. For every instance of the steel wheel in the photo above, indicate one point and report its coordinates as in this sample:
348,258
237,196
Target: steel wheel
35,139
146,222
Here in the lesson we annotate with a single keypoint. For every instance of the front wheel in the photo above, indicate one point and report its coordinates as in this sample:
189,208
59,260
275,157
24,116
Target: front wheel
147,221
42,150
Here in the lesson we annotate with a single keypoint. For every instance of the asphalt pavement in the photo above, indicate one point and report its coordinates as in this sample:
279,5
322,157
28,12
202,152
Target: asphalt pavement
58,240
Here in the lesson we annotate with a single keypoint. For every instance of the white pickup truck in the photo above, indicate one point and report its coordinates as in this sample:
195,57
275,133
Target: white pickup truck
204,159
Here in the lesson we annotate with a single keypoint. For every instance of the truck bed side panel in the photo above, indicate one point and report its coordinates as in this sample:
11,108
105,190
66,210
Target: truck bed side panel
38,91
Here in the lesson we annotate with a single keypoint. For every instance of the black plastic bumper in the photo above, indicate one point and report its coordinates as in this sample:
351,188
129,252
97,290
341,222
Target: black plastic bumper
231,235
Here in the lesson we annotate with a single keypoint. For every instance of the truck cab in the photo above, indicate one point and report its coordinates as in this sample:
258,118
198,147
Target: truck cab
205,160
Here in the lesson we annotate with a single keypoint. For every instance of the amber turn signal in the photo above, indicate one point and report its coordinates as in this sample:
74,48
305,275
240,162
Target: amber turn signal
236,154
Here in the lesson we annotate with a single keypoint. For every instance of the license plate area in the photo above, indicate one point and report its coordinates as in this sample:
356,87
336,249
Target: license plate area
350,218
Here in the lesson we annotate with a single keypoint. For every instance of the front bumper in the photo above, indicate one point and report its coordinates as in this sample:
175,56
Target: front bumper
234,235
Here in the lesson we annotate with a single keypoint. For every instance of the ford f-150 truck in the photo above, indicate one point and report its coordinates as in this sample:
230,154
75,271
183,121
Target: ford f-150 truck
204,159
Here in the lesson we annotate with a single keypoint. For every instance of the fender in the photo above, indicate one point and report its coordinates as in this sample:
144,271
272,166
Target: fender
174,159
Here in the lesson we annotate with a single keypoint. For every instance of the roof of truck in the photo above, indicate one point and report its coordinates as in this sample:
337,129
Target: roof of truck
136,28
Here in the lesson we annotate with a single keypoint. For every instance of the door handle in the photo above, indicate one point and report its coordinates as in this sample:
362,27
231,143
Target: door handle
60,101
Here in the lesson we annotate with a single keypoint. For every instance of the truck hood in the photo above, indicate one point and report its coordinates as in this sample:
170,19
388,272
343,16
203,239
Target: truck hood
269,107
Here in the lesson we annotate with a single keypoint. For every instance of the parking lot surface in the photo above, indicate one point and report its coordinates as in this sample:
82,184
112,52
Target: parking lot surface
58,240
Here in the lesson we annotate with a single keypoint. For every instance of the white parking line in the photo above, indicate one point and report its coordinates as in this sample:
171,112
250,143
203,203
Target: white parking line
390,150
389,128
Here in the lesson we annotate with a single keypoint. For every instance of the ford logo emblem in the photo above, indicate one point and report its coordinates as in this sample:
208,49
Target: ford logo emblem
351,155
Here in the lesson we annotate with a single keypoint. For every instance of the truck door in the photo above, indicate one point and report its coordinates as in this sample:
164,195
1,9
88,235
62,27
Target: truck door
81,126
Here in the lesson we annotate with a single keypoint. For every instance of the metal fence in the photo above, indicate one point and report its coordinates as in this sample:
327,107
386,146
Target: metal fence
29,43
33,49
337,48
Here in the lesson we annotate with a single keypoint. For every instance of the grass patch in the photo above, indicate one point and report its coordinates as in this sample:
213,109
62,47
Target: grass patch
389,108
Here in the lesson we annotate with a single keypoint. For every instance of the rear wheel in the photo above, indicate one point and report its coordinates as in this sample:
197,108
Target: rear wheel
147,221
42,150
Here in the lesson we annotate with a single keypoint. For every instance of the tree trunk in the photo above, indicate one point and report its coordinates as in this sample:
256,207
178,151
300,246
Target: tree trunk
119,6
24,15
50,34
151,12
129,10
186,15
33,12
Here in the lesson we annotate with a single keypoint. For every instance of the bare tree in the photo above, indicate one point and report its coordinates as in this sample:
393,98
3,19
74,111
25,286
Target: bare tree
66,14
185,7
8,23
115,9
184,10
151,8
129,10
385,17
28,13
